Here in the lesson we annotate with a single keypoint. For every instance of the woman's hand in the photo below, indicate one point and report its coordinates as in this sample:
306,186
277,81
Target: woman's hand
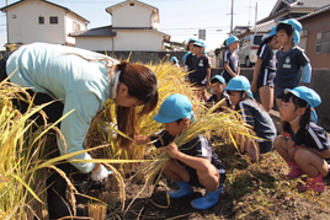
172,150
141,139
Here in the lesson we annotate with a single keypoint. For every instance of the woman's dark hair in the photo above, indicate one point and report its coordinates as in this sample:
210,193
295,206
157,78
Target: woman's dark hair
142,84
298,103
285,27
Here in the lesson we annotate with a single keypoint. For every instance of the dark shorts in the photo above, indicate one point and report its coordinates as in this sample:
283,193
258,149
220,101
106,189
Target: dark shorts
194,181
265,146
279,92
266,78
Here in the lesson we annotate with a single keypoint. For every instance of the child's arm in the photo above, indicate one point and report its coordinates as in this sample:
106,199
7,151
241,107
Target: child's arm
142,139
228,69
198,163
238,71
208,76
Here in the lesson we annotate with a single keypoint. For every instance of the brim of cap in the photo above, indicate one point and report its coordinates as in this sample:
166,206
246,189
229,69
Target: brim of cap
162,119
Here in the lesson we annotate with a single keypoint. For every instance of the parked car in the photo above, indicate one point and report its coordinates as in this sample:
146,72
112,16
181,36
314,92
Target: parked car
249,46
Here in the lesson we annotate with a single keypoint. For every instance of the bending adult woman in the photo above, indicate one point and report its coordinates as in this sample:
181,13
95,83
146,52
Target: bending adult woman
83,80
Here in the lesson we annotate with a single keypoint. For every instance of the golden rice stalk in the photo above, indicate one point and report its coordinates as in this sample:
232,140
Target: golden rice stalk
97,211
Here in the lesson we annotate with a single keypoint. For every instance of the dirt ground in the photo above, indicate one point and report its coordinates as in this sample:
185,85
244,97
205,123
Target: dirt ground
252,191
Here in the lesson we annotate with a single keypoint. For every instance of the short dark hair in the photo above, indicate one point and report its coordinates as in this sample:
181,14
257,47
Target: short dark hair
285,27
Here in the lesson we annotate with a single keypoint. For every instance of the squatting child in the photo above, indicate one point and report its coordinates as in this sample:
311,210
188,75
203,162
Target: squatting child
194,163
252,113
217,87
304,145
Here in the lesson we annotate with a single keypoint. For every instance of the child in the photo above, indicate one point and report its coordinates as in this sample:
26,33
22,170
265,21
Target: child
194,163
174,61
290,58
241,96
231,59
200,71
190,46
305,146
265,70
217,86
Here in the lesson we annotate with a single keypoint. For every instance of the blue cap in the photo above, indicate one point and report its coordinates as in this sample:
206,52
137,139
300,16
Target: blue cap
308,95
231,40
294,23
270,34
239,83
192,40
200,43
220,79
174,59
296,37
175,107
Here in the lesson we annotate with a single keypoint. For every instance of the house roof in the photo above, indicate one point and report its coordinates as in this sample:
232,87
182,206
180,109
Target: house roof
285,7
155,10
318,11
109,31
105,31
4,9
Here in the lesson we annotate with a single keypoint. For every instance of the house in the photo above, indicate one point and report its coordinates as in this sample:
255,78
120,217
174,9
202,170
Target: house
39,20
285,9
133,28
316,37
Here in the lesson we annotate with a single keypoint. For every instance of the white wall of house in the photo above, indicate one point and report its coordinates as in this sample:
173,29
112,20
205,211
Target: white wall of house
73,25
132,16
124,41
94,43
23,23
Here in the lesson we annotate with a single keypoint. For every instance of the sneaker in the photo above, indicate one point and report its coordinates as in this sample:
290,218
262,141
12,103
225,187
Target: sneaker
184,190
316,184
208,200
295,171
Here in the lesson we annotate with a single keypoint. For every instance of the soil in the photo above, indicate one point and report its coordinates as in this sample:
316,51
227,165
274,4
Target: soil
252,191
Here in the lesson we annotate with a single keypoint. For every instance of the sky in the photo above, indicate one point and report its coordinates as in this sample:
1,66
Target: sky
181,19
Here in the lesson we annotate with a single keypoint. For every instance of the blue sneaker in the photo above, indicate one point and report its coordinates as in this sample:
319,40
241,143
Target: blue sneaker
208,200
184,190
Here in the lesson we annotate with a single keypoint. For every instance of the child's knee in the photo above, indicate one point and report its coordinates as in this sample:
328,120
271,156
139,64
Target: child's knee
302,155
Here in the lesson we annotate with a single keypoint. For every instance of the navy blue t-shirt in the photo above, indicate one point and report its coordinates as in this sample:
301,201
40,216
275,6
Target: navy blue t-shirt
233,62
288,68
268,58
214,99
312,136
198,66
255,116
198,147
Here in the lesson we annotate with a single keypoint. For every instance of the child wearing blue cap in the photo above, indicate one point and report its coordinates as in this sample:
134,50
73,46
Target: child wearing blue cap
291,59
200,69
174,61
241,97
217,87
304,145
190,48
231,59
265,70
194,163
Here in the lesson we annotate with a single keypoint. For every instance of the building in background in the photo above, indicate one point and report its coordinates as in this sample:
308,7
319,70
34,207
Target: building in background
42,21
316,37
133,28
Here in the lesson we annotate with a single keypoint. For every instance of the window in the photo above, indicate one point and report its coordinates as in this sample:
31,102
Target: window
41,20
53,20
322,42
76,27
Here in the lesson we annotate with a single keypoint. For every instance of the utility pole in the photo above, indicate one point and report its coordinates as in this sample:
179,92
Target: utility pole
232,16
256,18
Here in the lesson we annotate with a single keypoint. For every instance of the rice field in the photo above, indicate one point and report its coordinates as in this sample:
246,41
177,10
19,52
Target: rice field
254,190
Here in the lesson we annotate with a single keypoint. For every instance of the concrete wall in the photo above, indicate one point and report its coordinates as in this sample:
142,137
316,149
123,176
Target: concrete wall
320,83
